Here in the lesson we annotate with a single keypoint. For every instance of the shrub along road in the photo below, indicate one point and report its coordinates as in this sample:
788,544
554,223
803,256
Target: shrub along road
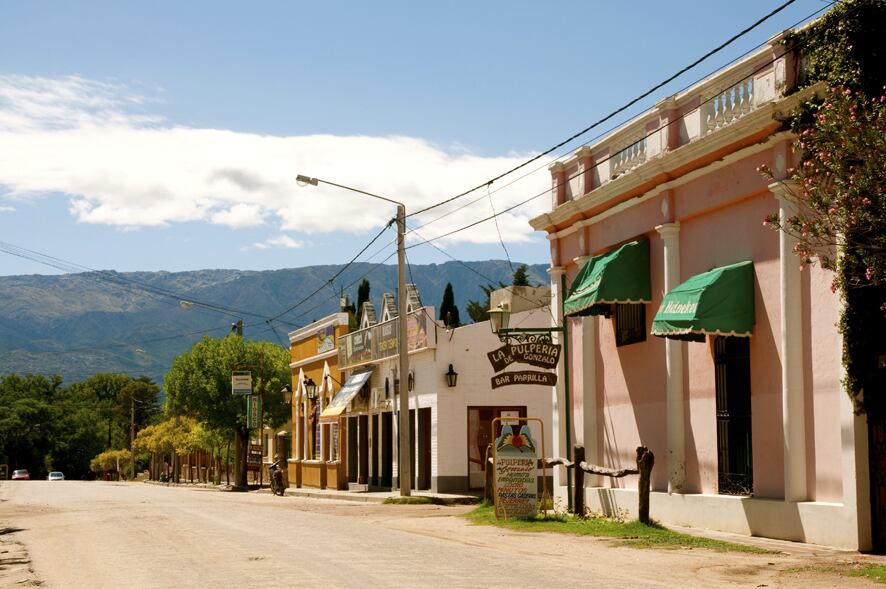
98,534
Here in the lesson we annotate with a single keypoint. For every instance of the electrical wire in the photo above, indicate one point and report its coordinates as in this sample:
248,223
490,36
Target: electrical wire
602,160
615,112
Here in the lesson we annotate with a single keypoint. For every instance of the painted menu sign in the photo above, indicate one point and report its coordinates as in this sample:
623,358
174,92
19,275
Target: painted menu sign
516,473
382,340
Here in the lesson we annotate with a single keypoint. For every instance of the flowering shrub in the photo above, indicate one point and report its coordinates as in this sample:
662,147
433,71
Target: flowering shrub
839,187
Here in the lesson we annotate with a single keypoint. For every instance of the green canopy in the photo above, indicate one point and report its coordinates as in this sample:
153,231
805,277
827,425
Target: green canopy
718,302
619,276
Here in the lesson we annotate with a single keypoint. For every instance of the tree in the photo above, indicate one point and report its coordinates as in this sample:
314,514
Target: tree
448,308
199,384
111,460
479,310
362,297
838,187
520,276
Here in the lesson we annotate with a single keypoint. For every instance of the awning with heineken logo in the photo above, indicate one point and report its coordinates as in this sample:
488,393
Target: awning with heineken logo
619,276
718,302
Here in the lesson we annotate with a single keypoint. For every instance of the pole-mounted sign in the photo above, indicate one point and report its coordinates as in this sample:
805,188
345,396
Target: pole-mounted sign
253,411
241,382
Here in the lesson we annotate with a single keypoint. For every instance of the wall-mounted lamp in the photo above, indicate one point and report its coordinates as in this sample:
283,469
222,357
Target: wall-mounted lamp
310,388
451,377
499,317
410,381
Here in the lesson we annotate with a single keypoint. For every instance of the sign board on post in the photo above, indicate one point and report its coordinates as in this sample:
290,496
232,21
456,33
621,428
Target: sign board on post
253,411
241,382
253,459
516,473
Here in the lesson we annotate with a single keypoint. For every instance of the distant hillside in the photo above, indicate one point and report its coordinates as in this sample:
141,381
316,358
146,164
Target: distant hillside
78,324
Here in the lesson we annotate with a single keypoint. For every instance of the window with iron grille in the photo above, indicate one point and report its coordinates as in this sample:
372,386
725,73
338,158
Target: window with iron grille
732,362
333,442
315,424
630,323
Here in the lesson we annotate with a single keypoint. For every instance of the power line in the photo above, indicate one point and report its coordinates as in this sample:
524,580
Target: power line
615,126
117,279
602,160
616,111
336,275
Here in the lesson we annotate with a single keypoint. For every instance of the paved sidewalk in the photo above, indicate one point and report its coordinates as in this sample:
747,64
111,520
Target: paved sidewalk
379,496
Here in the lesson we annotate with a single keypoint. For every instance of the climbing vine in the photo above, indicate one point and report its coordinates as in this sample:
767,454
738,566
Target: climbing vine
839,185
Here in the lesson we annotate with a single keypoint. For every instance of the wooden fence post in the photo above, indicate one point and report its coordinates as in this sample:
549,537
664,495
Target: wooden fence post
578,500
489,471
645,461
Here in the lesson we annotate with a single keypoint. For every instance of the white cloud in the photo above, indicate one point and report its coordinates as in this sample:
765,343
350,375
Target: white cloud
238,216
5,209
122,166
281,241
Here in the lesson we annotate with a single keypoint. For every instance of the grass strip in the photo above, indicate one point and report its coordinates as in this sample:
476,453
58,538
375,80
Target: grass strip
874,572
631,533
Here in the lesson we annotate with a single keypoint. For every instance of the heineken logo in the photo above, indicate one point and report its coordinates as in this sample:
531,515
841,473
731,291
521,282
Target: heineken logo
675,308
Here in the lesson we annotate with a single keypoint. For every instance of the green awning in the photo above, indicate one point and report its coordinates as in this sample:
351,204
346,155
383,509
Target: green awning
619,276
718,302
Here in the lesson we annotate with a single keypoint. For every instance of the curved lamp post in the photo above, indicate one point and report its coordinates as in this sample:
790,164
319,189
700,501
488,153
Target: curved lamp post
404,466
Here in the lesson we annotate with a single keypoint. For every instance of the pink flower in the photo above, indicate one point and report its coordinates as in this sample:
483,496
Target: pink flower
866,201
869,273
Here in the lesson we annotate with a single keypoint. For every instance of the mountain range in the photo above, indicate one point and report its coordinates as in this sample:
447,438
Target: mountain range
76,325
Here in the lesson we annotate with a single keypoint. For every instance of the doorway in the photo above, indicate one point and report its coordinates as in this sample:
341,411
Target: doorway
424,449
376,434
480,435
732,369
387,450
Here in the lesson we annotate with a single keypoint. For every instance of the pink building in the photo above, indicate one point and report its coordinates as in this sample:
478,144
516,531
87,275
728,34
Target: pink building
693,330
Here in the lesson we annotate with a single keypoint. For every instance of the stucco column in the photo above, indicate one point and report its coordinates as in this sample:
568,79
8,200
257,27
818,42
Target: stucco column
559,416
676,418
793,405
588,378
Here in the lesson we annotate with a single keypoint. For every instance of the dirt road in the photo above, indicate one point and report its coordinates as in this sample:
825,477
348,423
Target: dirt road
135,535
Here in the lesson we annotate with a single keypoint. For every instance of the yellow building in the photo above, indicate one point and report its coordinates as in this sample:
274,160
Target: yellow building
319,448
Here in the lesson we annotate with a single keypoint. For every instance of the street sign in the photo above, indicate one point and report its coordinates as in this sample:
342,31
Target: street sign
253,411
542,355
241,382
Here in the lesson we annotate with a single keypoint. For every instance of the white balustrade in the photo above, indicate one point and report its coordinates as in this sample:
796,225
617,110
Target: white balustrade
730,105
629,158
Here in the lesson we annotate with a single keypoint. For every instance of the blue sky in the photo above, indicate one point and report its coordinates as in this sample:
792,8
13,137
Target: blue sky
167,135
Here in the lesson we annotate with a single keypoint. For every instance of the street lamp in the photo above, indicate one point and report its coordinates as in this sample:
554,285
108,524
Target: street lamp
404,464
499,319
287,394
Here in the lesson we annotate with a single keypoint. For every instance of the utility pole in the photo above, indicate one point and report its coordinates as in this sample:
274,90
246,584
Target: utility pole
404,460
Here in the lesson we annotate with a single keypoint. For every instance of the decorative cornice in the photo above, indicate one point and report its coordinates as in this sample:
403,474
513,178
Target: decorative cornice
669,230
310,329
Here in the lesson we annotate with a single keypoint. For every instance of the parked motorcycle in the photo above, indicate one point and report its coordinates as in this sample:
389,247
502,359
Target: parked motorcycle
276,472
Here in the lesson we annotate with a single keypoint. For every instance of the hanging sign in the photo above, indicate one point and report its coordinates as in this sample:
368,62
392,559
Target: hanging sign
542,355
253,411
516,473
241,382
524,377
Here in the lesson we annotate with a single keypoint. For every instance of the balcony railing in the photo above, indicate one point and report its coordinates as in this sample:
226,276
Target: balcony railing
707,107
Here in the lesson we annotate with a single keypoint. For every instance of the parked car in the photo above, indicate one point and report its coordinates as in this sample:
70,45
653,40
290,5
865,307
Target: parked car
21,475
56,476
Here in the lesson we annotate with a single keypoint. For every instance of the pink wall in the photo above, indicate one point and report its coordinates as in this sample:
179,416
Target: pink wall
725,236
822,366
720,217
